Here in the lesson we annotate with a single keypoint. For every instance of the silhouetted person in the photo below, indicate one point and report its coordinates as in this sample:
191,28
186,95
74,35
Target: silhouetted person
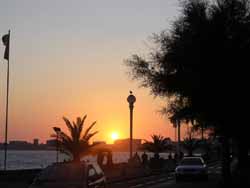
156,162
171,162
170,156
136,158
109,159
175,156
181,155
156,156
144,159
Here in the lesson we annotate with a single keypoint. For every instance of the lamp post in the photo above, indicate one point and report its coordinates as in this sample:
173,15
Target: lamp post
57,130
131,100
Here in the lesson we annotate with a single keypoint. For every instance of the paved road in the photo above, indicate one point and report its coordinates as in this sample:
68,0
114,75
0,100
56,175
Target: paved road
211,183
164,180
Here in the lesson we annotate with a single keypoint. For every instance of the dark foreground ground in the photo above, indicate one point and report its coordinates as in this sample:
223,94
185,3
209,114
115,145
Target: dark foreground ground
157,181
23,178
121,177
167,180
211,183
17,178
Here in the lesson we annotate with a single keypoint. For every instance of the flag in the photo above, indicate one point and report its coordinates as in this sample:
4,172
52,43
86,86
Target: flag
6,43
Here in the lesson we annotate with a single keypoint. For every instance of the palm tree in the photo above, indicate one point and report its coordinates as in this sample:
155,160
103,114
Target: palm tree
76,144
158,145
190,144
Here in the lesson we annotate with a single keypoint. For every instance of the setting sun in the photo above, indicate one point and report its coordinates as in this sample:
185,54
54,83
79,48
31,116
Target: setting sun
114,136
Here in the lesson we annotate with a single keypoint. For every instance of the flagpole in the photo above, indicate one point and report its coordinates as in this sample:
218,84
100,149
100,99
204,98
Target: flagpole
7,110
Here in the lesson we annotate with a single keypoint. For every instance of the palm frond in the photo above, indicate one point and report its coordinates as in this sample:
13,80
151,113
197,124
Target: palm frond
88,129
73,144
87,137
68,123
157,145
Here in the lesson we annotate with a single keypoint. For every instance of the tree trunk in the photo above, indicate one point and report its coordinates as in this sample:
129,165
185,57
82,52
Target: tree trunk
179,140
226,173
202,133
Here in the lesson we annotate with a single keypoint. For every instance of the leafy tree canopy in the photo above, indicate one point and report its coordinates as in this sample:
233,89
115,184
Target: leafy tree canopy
200,64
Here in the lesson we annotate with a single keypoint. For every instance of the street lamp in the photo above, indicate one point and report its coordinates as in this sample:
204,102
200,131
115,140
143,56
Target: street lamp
131,100
57,130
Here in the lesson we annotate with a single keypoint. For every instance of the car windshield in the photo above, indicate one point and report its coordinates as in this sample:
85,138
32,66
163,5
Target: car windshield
191,161
65,172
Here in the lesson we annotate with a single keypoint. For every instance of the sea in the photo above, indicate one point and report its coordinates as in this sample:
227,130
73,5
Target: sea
39,159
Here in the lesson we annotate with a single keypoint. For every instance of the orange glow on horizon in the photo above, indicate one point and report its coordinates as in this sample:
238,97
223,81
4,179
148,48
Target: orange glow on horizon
72,70
114,136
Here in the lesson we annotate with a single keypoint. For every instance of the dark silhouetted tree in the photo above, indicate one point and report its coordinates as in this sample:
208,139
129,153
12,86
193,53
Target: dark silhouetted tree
157,145
190,144
76,143
200,65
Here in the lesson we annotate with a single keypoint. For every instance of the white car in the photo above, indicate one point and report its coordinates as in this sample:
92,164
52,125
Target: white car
191,167
70,175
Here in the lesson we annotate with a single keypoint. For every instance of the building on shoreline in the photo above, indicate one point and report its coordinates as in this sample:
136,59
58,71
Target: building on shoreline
36,142
121,145
25,145
124,144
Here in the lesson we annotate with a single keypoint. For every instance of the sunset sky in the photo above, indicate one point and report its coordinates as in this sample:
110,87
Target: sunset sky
67,59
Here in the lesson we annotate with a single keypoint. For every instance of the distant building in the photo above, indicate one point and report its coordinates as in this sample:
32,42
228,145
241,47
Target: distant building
36,142
99,142
51,142
124,144
127,141
18,143
24,145
100,145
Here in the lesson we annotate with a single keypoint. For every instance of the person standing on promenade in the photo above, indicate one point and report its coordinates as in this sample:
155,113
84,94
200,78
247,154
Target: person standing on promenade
136,158
144,159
